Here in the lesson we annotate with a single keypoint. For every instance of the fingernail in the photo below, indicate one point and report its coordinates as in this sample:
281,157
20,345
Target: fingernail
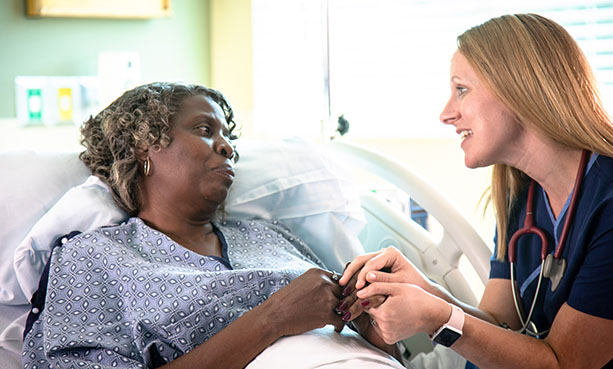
365,303
347,290
347,316
372,276
342,307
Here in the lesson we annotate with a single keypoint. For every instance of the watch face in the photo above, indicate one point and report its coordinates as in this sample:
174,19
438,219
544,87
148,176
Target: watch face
447,337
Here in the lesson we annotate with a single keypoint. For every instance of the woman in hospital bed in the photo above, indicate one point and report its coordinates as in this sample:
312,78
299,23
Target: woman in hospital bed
174,285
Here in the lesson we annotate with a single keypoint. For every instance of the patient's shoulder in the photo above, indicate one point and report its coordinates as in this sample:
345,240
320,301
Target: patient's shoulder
114,236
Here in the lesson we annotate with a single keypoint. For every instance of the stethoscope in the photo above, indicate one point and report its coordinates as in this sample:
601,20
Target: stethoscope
553,265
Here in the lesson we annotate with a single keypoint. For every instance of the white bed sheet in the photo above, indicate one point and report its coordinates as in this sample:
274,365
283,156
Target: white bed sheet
8,313
323,348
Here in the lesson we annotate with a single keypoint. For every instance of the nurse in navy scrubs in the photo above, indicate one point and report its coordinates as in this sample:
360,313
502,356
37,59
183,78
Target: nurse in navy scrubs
524,100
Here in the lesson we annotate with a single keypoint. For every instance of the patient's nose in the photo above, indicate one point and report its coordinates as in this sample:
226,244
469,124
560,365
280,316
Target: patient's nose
225,148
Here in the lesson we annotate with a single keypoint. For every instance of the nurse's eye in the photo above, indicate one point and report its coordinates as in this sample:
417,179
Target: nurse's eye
460,90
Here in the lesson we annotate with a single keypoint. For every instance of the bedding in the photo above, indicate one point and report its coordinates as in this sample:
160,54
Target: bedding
345,350
83,208
31,184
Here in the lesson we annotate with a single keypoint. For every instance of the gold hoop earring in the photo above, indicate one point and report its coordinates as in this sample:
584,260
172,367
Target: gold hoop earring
147,167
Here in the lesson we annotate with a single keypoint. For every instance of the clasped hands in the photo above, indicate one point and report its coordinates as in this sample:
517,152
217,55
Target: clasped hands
392,292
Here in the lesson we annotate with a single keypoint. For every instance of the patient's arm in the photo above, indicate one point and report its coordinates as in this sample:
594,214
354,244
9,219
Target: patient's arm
305,304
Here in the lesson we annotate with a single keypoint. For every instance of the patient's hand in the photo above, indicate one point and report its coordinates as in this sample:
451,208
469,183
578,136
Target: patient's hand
306,303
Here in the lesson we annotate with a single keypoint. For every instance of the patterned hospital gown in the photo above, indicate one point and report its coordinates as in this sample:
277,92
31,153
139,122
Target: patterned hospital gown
130,297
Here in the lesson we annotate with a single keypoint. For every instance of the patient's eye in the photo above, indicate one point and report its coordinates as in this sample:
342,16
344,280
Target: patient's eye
460,90
204,130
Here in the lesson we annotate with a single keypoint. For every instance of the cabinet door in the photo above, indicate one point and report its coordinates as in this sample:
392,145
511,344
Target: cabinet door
98,8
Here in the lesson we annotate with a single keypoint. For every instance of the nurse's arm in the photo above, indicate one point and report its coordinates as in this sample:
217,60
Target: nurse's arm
576,340
497,302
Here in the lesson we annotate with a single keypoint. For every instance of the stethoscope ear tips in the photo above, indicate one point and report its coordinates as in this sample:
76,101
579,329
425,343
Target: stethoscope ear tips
554,270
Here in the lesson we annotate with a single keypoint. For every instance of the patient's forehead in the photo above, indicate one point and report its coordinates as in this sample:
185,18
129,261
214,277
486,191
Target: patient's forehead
199,107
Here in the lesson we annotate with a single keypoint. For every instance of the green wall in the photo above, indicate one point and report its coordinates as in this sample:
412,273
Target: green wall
172,48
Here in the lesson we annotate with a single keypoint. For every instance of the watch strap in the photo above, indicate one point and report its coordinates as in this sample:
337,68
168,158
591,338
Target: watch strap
456,320
452,330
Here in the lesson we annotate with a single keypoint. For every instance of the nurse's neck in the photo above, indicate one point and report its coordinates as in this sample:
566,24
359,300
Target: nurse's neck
555,169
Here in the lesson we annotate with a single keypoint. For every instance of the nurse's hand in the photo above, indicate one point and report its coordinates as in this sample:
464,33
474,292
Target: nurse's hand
407,310
350,306
385,265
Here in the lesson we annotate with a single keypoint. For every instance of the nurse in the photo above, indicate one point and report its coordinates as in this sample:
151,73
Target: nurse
524,100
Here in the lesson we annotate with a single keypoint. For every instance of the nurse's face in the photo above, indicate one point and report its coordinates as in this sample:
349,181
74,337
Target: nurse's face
489,132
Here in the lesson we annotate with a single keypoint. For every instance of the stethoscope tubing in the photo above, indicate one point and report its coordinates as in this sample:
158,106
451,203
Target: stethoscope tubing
526,323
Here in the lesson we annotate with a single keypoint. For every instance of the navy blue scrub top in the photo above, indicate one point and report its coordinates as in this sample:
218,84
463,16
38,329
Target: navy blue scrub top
587,285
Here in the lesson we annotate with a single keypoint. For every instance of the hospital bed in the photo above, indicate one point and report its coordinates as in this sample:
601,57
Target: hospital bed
312,189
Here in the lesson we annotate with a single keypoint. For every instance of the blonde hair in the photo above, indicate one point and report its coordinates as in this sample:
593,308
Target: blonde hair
539,72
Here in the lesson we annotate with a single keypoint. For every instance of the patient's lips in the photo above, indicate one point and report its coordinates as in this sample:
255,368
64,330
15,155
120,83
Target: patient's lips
225,171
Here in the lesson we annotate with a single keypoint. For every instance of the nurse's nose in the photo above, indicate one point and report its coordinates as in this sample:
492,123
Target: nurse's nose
450,114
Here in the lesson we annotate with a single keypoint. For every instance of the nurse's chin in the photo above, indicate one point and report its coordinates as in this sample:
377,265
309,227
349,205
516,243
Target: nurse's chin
473,163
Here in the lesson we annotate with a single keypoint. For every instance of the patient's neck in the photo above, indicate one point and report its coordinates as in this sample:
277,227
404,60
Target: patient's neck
194,233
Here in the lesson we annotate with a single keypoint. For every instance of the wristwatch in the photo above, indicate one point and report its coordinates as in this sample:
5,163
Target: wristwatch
452,330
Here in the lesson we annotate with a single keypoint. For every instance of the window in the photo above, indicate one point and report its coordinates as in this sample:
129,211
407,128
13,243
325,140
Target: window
384,64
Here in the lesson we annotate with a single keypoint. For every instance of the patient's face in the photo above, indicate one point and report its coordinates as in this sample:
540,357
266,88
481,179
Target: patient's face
489,131
195,171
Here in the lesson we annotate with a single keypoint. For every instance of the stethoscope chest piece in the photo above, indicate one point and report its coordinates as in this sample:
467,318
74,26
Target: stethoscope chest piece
554,268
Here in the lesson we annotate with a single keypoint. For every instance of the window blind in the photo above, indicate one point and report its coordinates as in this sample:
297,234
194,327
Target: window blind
389,60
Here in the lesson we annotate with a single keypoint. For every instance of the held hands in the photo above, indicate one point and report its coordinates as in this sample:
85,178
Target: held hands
351,308
386,265
393,292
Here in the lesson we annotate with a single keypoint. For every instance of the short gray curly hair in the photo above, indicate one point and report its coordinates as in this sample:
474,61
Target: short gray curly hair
138,119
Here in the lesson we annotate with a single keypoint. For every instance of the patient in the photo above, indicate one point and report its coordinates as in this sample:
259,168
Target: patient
175,285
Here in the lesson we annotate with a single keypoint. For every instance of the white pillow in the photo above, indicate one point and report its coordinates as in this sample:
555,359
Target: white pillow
290,180
84,207
31,183
299,183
